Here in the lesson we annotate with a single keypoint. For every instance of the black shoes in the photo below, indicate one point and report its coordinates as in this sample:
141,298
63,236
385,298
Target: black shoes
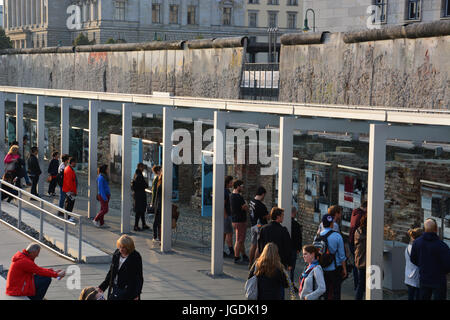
136,228
145,227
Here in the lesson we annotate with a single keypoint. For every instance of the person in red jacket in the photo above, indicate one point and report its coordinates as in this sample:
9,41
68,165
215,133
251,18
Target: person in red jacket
25,278
70,185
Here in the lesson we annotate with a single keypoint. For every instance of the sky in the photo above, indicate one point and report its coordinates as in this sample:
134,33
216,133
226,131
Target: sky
1,2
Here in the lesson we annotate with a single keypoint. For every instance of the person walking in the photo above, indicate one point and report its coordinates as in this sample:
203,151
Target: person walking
60,180
296,237
227,222
157,202
239,211
10,176
432,256
125,279
52,173
258,218
34,170
355,219
140,197
360,238
103,195
412,279
25,278
70,186
269,273
25,154
337,270
311,282
336,212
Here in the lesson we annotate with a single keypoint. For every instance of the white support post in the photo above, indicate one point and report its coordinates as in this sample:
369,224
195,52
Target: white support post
218,193
375,211
65,125
40,106
167,170
285,168
19,122
127,123
3,147
92,175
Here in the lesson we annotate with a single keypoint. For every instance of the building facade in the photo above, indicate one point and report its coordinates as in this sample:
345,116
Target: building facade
351,15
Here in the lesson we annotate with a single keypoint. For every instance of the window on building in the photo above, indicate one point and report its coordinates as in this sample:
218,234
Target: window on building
191,15
292,2
273,23
292,20
413,9
156,13
253,1
381,11
273,2
446,8
226,17
120,11
173,14
253,19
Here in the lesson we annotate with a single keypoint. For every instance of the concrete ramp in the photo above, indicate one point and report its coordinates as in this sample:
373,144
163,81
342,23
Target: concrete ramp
55,235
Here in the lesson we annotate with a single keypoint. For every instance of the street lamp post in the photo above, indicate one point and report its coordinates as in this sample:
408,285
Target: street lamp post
306,28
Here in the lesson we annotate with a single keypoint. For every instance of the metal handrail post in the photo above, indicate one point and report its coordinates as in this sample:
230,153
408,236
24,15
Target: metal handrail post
65,238
80,243
41,223
19,208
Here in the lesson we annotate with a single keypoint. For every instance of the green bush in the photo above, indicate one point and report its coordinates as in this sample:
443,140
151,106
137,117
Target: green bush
5,41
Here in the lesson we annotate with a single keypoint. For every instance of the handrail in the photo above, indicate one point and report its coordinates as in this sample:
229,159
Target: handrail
42,211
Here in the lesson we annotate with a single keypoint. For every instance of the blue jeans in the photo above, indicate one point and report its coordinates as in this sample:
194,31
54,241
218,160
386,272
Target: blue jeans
355,269
62,197
413,293
41,284
361,284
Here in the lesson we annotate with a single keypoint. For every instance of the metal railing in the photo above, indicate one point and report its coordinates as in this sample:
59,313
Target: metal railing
260,81
42,212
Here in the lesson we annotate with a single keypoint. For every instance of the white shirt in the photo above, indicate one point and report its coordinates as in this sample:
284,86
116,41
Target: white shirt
61,167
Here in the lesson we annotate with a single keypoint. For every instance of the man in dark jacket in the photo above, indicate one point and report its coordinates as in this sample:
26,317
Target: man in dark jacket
296,236
432,256
278,234
34,170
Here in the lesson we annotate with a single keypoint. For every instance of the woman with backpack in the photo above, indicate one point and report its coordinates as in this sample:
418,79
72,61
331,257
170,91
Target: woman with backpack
312,283
360,257
270,275
140,197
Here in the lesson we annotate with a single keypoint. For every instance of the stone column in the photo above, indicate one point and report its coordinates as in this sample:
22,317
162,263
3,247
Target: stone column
38,12
41,13
165,13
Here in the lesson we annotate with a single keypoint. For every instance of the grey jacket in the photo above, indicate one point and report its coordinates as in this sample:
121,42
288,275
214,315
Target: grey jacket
319,284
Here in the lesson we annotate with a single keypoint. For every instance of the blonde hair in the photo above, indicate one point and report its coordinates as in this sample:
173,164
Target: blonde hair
126,242
269,261
13,148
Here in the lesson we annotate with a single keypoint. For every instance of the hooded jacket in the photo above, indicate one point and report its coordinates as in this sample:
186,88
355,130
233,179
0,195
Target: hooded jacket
70,180
432,256
20,281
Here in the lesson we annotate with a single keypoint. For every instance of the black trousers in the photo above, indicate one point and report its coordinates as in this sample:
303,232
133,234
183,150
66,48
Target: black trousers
157,226
141,216
68,205
333,281
34,183
52,186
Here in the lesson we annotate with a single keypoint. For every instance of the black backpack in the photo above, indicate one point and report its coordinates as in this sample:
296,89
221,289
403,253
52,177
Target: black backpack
60,178
321,242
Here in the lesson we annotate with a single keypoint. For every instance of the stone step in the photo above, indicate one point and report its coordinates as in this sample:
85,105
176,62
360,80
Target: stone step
3,295
55,235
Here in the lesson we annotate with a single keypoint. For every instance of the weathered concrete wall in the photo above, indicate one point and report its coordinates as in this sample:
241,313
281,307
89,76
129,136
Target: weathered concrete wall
408,68
213,70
